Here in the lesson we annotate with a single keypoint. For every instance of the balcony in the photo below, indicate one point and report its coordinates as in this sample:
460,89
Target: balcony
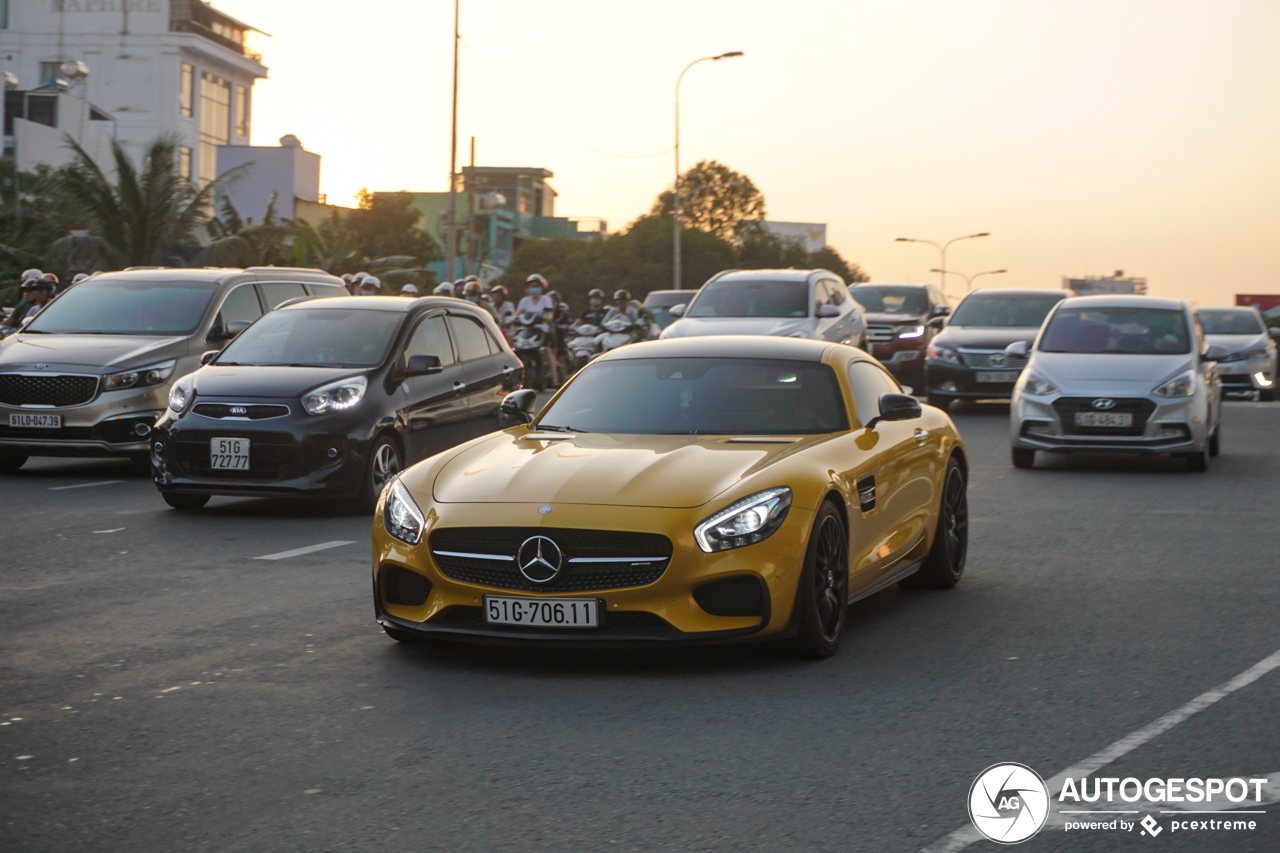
194,16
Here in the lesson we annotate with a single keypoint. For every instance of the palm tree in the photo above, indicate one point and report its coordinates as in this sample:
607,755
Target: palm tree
147,210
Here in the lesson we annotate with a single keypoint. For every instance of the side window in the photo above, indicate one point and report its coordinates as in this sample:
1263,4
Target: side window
328,290
430,338
868,382
837,291
820,295
241,304
278,291
473,340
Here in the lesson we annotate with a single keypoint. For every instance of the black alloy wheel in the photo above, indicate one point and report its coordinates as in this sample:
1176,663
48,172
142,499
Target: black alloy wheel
1023,457
823,595
384,465
944,566
1215,445
185,502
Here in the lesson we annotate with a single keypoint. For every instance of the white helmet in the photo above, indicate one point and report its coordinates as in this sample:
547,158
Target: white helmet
27,275
409,290
79,277
444,288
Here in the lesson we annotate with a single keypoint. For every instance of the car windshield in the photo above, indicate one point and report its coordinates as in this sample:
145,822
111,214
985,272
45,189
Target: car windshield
1228,322
315,337
124,307
1117,330
752,299
891,300
715,396
997,310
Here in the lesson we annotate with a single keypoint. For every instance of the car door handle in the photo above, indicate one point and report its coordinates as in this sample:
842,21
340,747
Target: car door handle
506,368
459,386
921,436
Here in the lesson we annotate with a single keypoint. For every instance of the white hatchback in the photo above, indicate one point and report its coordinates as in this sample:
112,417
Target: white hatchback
1126,374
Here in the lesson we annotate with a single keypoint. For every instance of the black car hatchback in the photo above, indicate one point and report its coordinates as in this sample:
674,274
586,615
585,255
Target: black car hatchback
332,397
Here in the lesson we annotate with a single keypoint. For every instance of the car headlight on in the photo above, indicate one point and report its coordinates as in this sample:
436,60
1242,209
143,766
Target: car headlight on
744,522
1035,384
143,376
910,331
944,354
182,394
1182,385
335,397
401,516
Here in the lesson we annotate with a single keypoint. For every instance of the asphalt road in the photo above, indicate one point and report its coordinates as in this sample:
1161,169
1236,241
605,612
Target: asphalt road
162,689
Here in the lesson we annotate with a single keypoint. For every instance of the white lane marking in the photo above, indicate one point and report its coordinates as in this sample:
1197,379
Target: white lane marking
967,834
85,485
310,549
112,530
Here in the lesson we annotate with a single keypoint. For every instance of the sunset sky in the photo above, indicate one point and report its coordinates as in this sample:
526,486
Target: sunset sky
1086,135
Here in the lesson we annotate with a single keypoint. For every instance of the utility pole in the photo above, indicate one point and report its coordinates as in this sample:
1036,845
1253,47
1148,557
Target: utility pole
451,227
472,255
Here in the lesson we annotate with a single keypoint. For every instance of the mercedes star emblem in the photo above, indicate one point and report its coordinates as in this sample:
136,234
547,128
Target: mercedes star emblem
539,559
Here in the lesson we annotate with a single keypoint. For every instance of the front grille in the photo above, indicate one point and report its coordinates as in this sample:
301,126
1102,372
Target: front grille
878,334
1066,407
271,454
255,412
17,389
589,557
1241,379
983,360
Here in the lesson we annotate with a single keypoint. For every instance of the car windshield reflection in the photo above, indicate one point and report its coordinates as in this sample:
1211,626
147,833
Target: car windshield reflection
315,337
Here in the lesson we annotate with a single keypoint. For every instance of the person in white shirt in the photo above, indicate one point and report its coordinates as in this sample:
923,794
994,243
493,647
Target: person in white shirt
538,302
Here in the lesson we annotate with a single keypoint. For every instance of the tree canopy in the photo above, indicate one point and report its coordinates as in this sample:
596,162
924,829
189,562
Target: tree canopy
715,199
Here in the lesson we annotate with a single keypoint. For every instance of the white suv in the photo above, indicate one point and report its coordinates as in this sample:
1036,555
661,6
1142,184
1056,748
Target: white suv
1128,374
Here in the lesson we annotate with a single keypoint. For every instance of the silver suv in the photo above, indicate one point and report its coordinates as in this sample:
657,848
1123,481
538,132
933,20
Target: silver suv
90,375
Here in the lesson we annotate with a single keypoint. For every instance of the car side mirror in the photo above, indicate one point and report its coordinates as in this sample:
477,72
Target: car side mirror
941,310
896,407
235,327
1274,332
517,408
937,322
677,310
209,356
1215,353
1017,348
423,365
827,311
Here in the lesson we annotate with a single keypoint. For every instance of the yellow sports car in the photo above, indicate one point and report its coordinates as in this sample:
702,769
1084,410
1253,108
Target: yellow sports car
691,490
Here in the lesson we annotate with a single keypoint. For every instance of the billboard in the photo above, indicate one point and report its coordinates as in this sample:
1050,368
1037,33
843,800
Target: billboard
811,235
1267,303
1117,283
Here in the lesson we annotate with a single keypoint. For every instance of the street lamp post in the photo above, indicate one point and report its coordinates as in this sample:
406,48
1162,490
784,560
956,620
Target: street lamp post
968,279
451,238
675,201
942,250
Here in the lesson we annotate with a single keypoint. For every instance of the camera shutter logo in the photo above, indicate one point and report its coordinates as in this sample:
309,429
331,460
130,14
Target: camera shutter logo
1008,803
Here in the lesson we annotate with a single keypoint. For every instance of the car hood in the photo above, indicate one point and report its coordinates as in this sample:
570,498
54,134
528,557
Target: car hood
216,380
611,470
1238,343
887,319
984,337
91,353
1083,373
688,327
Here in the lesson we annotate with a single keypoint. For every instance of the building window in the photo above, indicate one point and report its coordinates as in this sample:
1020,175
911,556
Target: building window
4,14
242,111
184,162
187,89
215,123
48,71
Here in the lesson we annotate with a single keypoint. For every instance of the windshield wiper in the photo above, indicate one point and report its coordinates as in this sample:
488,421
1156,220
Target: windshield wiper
542,428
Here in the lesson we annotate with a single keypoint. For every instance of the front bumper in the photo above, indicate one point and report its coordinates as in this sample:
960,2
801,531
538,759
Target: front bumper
903,357
945,378
112,424
1160,426
660,613
1247,377
293,455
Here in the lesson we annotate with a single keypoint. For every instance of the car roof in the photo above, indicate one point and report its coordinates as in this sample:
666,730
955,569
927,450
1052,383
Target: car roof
403,304
915,284
1244,309
1124,300
662,298
724,346
217,275
1021,291
771,275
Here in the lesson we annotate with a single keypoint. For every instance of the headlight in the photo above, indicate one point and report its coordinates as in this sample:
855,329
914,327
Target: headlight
401,516
143,376
745,522
335,397
1183,385
182,393
944,354
910,331
1038,385
1260,352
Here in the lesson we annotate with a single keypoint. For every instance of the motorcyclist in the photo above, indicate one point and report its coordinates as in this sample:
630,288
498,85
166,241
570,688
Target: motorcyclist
410,290
622,305
537,301
36,293
371,285
444,288
594,313
79,277
474,293
349,282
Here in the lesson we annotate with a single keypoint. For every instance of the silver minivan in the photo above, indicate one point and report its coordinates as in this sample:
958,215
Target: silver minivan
90,375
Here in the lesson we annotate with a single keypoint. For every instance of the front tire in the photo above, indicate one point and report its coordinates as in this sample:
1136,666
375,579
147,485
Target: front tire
184,502
823,594
384,464
1198,463
941,401
1215,447
1267,395
9,463
1023,457
944,566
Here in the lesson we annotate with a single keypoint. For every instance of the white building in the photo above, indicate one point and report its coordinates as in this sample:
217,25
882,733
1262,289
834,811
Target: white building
288,172
156,67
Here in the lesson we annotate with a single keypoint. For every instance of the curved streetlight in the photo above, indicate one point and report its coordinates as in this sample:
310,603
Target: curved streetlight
968,279
675,201
942,250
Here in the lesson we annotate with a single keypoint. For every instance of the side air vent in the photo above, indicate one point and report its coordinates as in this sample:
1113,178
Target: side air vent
403,587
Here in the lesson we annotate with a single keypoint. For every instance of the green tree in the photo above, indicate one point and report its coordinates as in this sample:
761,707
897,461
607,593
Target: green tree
715,199
237,244
148,210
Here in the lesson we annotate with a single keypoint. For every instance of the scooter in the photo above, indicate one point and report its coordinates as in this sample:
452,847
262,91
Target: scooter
619,330
528,340
583,344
